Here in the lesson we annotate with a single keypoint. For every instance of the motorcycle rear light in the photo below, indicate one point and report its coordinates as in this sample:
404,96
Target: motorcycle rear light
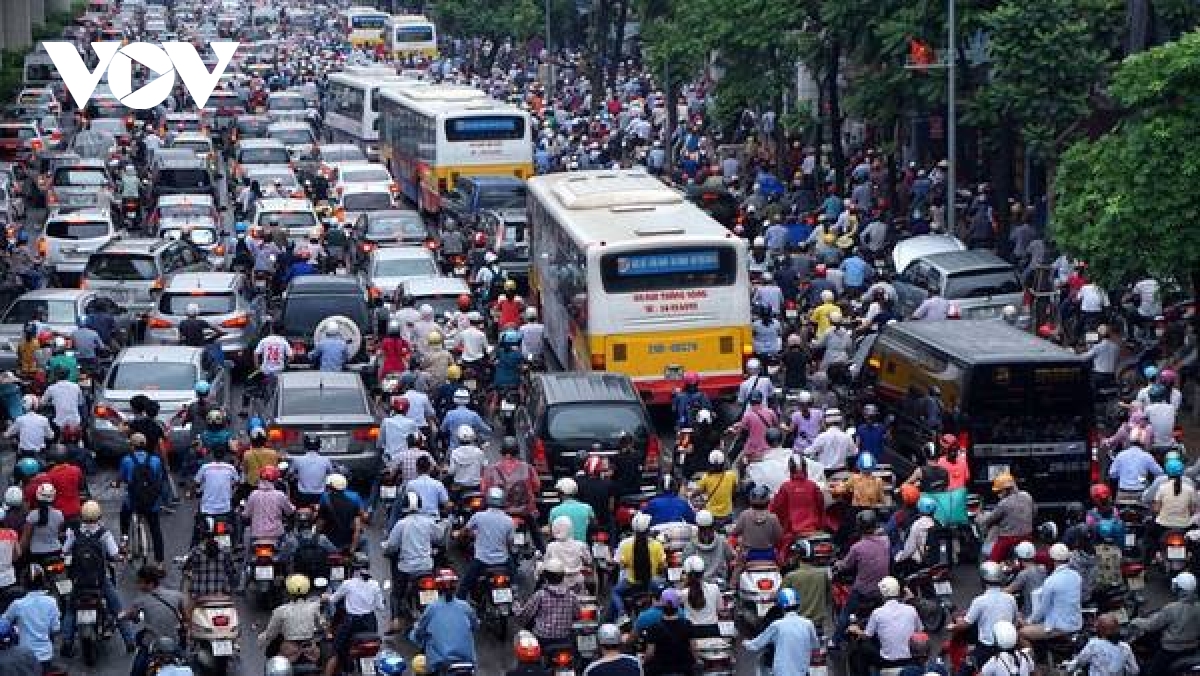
1132,569
56,567
219,528
499,580
601,537
475,503
220,620
365,649
765,584
562,658
653,448
588,613
676,559
264,551
1174,539
426,583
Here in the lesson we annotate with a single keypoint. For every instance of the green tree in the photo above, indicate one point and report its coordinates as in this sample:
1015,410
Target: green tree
1126,201
494,20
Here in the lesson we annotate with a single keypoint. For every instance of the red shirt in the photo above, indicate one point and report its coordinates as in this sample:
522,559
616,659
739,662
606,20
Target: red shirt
67,479
800,506
959,472
395,353
31,488
510,310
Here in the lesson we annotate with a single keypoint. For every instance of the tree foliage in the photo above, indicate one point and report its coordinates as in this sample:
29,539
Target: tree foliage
493,19
1126,201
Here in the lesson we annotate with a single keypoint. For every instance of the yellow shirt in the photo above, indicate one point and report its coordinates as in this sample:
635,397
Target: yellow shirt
255,460
718,488
27,357
658,559
820,316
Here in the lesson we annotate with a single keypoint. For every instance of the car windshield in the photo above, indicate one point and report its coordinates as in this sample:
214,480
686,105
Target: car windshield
367,201
109,125
345,154
264,156
14,132
982,283
194,146
90,177
116,267
53,311
287,103
198,236
594,420
302,313
365,175
322,401
396,227
184,213
253,128
184,178
291,136
265,181
77,229
176,303
287,219
152,375
503,198
405,267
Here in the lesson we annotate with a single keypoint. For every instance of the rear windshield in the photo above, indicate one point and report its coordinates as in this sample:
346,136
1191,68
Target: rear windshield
347,154
80,177
982,283
209,303
77,230
396,227
502,198
184,179
52,311
264,156
364,175
1030,403
198,236
194,146
302,313
322,401
367,201
291,136
156,375
287,103
180,212
123,268
405,267
595,421
287,219
253,128
22,133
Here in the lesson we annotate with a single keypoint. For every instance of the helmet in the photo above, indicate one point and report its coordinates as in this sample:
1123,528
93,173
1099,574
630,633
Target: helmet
138,440
787,598
312,443
400,405
819,272
215,417
90,511
1100,494
434,338
531,315
464,302
927,505
465,434
192,309
510,285
258,434
527,647
760,494
795,340
805,397
1107,530
1025,551
1150,372
389,663
1003,482
1184,583
1005,634
691,379
832,416
29,402
865,462
909,494
753,366
509,446
991,573
567,486
595,465
510,337
1059,552
1167,377
46,492
13,496
165,645
554,565
201,387
827,296
704,518
948,441
480,240
28,467
870,410
889,587
1173,467
394,327
773,436
1047,531
867,520
704,416
716,458
454,372
56,455
756,397
641,522
412,502
490,257
495,497
269,473
297,585
337,482
693,564
608,635
462,396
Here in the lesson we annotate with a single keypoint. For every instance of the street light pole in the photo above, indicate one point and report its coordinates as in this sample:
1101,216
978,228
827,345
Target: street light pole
547,26
951,119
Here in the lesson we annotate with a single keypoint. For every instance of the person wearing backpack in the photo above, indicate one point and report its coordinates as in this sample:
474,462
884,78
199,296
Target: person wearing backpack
91,548
306,549
143,473
520,483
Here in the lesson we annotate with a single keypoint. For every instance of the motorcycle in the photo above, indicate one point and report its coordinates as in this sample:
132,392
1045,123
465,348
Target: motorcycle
522,543
587,623
337,570
508,413
363,649
267,574
57,580
1175,552
757,585
716,655
93,622
389,489
421,594
130,211
495,595
1133,515
931,593
214,634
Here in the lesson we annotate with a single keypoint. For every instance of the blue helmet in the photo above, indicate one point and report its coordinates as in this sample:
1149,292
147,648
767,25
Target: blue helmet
926,505
28,467
510,337
256,423
865,462
82,321
1174,468
240,227
389,663
1107,530
202,387
1150,372
8,633
787,598
22,237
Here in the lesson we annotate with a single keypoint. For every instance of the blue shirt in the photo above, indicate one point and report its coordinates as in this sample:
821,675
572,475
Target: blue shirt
36,617
446,632
1131,467
126,473
1061,606
459,416
431,491
794,638
311,469
669,509
871,435
300,269
508,368
855,272
331,353
493,529
833,206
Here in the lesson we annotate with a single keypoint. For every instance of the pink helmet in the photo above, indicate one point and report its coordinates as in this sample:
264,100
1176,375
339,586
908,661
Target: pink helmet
1167,377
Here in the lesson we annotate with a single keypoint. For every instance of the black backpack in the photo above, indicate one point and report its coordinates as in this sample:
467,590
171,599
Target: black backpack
934,479
241,250
89,564
145,486
309,558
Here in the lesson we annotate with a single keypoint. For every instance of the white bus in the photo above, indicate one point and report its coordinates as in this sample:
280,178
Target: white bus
352,104
410,35
362,26
635,279
431,135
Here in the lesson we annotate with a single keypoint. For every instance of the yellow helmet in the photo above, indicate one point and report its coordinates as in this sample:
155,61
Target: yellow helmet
454,372
1003,482
830,238
434,338
510,285
91,511
419,665
297,585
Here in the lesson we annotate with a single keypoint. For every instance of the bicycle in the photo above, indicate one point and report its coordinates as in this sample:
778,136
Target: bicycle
137,543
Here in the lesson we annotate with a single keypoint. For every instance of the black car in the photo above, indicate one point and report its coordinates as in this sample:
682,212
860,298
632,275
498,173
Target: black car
184,176
309,301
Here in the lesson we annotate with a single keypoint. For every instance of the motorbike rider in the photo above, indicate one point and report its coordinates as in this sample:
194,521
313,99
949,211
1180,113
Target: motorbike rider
1179,622
833,446
793,636
40,531
264,512
493,530
596,488
312,470
508,360
363,597
1132,468
92,548
435,359
445,633
551,609
643,560
34,617
891,624
462,416
69,483
215,481
144,475
580,513
467,460
508,307
532,336
612,661
1008,660
574,554
341,515
1106,653
805,421
1175,504
915,551
518,483
718,485
811,583
799,503
994,605
688,401
296,622
1012,517
869,558
332,351
1029,577
1059,609
669,506
396,430
394,349
31,429
755,381
161,610
256,459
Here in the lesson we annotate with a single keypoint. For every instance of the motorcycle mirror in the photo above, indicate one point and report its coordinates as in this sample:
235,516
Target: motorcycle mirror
283,466
320,583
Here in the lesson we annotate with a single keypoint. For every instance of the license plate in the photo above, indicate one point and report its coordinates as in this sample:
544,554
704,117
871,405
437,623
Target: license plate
1176,553
996,470
727,628
507,406
519,539
222,648
586,643
64,587
504,595
168,334
1130,539
943,588
337,443
763,608
471,384
366,665
224,541
818,671
791,314
387,492
1136,583
427,596
564,672
264,572
599,551
674,574
86,616
337,573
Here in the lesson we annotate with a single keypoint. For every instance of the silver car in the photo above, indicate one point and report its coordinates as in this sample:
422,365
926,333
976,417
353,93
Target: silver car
224,302
134,271
333,406
71,236
166,374
58,309
387,269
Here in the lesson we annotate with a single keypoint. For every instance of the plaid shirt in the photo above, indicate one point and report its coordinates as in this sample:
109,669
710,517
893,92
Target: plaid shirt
209,576
553,609
407,461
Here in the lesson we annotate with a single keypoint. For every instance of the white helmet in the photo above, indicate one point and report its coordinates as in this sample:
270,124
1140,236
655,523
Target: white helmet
426,311
835,317
1059,552
554,565
753,366
337,482
1025,551
490,257
462,396
827,296
1184,583
641,522
192,310
531,314
465,434
46,492
716,458
13,497
833,416
759,242
1005,634
704,416
693,564
704,518
567,486
889,587
805,397
29,402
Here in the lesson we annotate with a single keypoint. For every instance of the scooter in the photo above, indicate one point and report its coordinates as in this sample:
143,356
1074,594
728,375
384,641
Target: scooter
214,634
267,573
495,596
931,594
757,585
93,622
363,649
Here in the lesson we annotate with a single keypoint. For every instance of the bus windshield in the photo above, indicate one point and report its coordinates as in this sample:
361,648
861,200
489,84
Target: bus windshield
1030,403
368,21
683,267
414,33
486,128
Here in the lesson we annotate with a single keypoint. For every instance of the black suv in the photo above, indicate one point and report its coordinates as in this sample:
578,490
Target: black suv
312,299
565,413
184,177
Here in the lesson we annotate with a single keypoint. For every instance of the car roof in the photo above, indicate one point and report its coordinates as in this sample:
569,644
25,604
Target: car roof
185,201
191,136
401,253
568,388
325,284
54,294
284,204
261,143
952,262
140,245
307,379
192,162
289,124
163,353
429,286
203,281
83,214
983,341
85,163
911,248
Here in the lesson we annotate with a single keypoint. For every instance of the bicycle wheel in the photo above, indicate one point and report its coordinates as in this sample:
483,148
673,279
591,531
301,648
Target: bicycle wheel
137,541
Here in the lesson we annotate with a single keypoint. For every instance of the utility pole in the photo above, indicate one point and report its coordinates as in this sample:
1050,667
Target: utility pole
951,118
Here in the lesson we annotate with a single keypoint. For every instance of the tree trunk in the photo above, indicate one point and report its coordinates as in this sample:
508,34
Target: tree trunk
1137,25
618,48
600,62
835,114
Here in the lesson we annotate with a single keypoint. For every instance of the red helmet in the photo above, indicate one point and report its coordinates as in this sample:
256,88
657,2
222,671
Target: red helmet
400,405
1046,331
595,465
446,578
480,239
464,302
819,271
948,441
691,379
269,473
1100,494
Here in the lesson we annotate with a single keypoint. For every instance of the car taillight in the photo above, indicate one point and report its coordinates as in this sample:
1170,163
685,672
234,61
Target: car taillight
220,620
539,456
238,322
103,411
475,503
36,144
367,247
283,435
365,434
43,247
765,584
219,250
1094,468
158,323
431,244
299,347
653,448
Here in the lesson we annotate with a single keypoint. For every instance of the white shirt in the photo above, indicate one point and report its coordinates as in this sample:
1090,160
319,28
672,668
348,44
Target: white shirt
273,353
707,615
466,464
772,470
1092,298
67,398
32,431
532,334
1149,301
1161,417
893,623
393,437
420,410
216,480
832,447
363,595
474,343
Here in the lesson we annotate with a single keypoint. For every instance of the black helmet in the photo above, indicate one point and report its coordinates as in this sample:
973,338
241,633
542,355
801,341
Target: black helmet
31,329
866,520
56,455
760,495
361,561
311,443
165,645
1075,512
509,446
774,436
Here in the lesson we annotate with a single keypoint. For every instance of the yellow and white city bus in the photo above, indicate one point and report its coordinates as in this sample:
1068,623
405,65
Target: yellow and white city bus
362,26
352,113
432,134
407,35
632,278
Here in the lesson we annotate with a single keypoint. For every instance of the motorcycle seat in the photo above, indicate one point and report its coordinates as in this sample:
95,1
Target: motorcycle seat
364,637
761,566
496,570
213,601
